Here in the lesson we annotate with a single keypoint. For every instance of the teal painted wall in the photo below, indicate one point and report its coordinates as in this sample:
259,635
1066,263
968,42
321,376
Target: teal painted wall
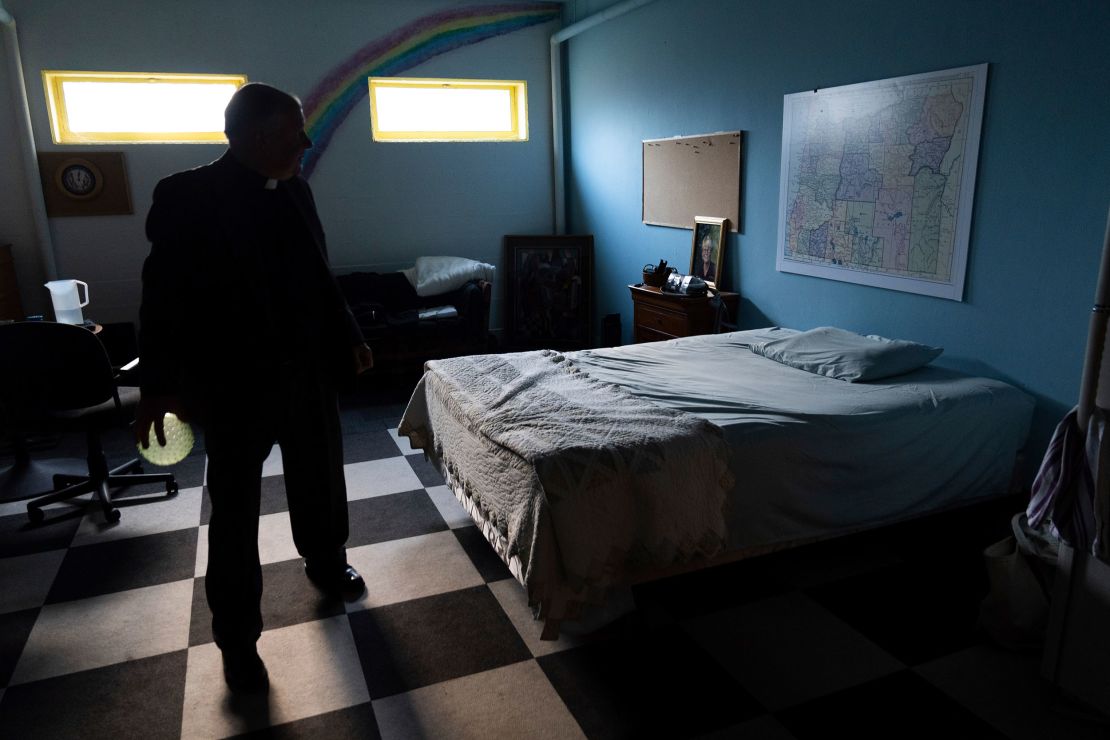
696,66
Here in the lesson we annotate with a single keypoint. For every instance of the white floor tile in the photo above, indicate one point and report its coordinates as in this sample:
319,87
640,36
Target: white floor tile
103,630
314,668
275,541
14,508
11,508
410,568
27,579
275,538
788,649
526,706
402,442
449,507
514,601
180,512
272,465
379,478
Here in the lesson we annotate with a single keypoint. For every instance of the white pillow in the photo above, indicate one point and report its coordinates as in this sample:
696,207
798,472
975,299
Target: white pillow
845,355
436,275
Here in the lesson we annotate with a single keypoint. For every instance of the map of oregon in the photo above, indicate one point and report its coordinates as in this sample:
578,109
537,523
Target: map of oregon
876,180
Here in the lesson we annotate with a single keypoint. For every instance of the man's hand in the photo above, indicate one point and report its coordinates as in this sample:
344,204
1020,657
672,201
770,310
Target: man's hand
153,410
364,358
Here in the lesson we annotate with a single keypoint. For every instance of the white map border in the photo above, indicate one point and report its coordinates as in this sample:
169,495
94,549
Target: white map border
954,288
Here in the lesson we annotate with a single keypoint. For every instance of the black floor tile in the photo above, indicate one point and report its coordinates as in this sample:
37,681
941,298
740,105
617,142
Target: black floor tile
902,705
19,537
371,445
288,598
120,565
273,499
712,589
15,628
351,723
392,517
916,611
424,641
428,474
656,684
482,554
357,421
139,698
189,473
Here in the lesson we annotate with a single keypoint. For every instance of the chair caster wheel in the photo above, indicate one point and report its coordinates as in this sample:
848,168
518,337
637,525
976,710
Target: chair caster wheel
111,516
171,489
36,516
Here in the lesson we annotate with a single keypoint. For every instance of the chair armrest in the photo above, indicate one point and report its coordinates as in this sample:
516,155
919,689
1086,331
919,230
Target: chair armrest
128,374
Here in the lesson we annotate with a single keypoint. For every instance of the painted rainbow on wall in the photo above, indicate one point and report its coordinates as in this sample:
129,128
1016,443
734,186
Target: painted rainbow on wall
334,97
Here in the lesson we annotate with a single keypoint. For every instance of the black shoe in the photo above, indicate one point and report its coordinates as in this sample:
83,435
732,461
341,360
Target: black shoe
337,580
244,671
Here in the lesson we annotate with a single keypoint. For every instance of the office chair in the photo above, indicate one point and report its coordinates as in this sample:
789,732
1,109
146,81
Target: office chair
61,374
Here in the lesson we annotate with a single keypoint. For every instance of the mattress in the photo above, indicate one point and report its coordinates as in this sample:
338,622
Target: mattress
814,456
809,456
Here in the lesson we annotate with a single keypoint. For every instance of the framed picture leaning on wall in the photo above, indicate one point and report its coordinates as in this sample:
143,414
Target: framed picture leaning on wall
549,291
706,252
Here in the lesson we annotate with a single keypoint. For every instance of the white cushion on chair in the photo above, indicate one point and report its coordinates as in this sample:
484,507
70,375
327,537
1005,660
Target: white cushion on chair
437,275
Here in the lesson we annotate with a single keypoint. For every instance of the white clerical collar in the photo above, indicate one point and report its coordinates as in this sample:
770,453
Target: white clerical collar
271,184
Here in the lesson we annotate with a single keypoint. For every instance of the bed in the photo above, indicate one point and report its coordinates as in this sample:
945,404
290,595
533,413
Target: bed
592,470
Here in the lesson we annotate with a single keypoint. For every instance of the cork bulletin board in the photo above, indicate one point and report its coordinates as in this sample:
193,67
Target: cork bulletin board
689,176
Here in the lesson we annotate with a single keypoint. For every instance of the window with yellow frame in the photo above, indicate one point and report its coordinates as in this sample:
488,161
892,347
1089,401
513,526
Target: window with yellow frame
138,107
424,109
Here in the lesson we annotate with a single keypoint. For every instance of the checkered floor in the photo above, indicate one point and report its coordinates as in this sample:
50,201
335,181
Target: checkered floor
104,630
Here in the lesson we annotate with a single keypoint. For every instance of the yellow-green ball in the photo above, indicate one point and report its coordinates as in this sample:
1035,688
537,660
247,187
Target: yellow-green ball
179,442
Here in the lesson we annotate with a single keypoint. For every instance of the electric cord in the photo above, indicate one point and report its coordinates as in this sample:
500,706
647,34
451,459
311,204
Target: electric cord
721,313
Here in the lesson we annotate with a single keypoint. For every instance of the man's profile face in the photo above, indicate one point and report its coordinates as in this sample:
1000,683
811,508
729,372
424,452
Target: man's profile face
282,144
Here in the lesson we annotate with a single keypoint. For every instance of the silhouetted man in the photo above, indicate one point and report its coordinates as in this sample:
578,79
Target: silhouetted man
245,332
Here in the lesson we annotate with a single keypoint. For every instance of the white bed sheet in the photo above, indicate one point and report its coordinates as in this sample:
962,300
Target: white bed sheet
813,456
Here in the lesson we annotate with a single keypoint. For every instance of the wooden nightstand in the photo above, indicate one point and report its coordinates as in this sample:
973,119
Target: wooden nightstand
658,315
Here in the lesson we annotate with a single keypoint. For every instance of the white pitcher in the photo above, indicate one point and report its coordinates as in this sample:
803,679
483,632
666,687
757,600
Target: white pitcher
67,303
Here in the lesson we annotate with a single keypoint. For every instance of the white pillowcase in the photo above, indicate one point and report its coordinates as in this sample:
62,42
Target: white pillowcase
845,355
436,275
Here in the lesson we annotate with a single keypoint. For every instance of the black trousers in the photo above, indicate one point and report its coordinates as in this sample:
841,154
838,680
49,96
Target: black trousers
298,410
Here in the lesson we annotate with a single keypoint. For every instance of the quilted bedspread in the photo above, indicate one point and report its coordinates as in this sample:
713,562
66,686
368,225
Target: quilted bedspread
574,481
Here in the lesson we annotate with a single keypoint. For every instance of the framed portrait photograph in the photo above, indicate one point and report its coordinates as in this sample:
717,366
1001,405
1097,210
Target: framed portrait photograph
549,291
706,253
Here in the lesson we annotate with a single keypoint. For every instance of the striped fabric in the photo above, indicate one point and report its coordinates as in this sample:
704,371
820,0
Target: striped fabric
1063,491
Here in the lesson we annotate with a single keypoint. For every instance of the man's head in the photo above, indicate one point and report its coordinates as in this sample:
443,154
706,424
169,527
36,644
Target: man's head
265,130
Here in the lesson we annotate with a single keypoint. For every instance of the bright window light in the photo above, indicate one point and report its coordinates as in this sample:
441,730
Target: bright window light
420,109
133,107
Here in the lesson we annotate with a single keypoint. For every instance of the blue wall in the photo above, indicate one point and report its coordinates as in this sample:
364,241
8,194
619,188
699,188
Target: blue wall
696,66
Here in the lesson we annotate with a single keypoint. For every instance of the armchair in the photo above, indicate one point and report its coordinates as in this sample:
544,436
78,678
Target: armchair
388,311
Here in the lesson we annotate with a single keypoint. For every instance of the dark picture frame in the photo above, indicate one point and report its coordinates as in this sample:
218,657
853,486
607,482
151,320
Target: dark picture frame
549,291
709,232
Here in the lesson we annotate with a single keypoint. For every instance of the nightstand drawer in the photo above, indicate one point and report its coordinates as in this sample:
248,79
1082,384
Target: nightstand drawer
658,315
646,334
665,322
